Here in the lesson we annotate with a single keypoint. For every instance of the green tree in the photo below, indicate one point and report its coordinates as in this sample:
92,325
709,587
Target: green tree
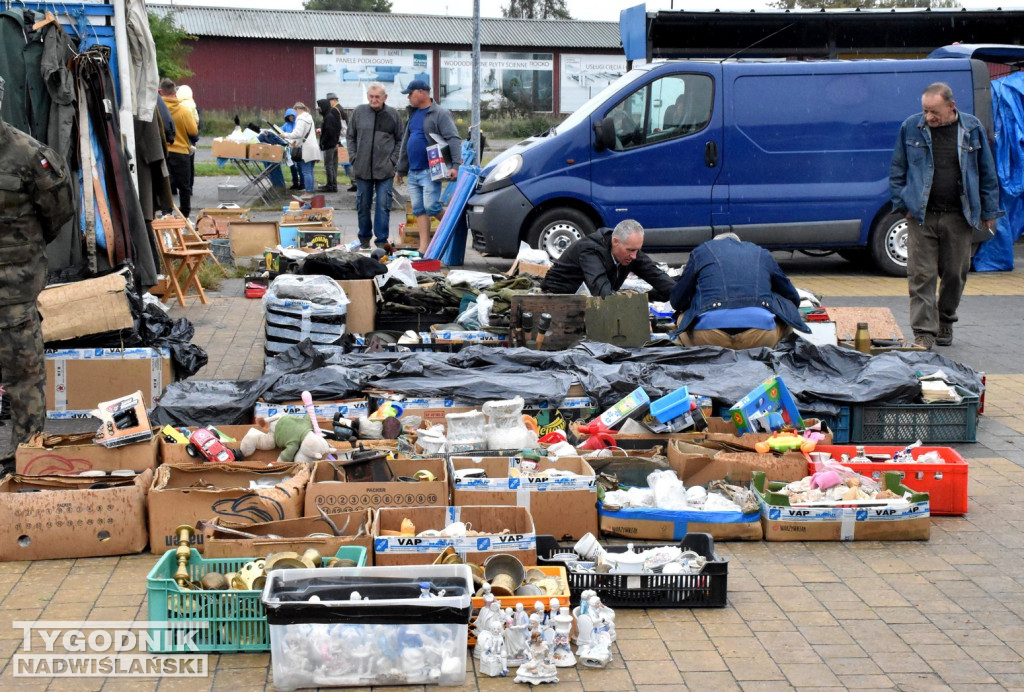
536,9
348,5
171,49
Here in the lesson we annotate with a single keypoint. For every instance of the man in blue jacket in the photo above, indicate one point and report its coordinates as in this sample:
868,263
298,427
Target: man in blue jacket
943,177
734,295
425,120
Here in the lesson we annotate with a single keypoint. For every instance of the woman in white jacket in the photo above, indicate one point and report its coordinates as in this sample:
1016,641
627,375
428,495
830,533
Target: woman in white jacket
305,133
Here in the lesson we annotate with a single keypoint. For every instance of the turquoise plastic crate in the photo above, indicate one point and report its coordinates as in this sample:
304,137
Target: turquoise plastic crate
237,621
839,425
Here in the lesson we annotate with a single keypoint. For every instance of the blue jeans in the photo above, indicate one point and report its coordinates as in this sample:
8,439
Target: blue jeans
308,181
365,191
424,193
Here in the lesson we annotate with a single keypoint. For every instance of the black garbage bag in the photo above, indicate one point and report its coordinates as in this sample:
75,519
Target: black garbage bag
353,267
229,402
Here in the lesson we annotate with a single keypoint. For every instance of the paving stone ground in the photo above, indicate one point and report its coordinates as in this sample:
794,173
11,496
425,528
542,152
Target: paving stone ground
946,614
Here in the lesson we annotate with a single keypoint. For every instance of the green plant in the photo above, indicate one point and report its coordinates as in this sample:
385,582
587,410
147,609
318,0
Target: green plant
210,275
171,50
220,123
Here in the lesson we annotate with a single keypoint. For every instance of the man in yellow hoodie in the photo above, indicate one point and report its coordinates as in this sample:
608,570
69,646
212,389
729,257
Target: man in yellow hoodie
179,162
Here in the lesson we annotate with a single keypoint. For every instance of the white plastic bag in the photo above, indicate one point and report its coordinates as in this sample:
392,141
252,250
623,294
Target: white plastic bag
402,270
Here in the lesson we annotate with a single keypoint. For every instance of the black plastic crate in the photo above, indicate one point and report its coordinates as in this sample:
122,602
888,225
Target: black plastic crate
940,422
705,590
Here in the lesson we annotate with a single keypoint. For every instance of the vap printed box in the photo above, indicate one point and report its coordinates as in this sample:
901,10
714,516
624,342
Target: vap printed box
324,410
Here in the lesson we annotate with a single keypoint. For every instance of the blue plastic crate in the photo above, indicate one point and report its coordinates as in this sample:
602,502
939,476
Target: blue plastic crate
839,425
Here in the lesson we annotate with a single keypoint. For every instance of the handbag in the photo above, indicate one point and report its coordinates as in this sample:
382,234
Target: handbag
296,152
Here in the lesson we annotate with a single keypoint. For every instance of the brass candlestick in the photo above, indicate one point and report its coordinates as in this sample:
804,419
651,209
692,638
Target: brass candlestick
183,553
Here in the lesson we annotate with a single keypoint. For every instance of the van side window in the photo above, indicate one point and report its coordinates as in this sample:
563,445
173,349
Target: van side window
666,108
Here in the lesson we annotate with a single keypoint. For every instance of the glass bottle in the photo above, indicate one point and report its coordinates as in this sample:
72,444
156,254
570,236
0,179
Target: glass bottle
862,341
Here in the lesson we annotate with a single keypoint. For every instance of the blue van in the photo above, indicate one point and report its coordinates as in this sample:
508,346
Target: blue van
789,155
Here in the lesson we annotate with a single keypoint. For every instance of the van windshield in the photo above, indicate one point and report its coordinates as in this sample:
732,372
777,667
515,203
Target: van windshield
583,112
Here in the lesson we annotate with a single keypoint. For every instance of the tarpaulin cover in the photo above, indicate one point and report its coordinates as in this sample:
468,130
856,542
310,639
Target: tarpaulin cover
821,379
1008,114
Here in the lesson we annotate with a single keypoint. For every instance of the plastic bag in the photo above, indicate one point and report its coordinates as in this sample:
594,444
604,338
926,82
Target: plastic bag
400,270
317,290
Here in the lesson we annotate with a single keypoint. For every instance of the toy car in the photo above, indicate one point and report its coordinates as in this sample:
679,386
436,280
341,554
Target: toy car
209,446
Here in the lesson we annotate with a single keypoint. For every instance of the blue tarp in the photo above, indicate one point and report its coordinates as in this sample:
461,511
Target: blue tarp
1008,116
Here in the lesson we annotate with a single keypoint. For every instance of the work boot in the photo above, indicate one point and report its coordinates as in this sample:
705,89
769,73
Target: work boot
352,187
925,341
296,186
945,336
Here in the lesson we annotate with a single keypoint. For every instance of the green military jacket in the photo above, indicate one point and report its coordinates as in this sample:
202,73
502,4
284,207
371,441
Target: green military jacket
35,201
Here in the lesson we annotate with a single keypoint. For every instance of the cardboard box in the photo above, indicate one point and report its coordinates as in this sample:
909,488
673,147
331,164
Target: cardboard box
532,268
223,149
46,455
320,238
361,311
69,519
324,410
564,507
187,494
266,152
299,217
77,379
91,306
846,521
696,465
769,400
336,496
251,238
296,535
508,530
667,525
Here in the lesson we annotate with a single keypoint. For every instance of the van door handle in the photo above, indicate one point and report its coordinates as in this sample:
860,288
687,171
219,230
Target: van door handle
711,154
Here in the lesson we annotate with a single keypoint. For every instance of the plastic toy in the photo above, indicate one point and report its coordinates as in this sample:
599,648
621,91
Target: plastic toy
785,442
293,434
209,446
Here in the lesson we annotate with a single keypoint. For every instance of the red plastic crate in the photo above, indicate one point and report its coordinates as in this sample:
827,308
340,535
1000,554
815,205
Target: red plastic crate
427,265
945,483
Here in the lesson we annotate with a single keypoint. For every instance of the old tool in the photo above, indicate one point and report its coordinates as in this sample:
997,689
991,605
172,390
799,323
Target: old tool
543,326
234,532
525,328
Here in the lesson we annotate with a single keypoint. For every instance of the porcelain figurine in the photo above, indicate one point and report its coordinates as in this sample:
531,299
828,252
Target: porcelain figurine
599,610
488,614
517,637
561,653
494,659
583,621
598,653
538,669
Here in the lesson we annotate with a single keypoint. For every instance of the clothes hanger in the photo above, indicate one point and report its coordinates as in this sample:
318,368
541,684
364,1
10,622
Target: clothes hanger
50,18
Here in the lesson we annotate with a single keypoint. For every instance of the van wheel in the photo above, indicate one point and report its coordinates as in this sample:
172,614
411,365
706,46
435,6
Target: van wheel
889,244
555,230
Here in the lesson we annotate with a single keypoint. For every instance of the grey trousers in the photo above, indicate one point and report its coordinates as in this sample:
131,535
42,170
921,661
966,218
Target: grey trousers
331,166
938,251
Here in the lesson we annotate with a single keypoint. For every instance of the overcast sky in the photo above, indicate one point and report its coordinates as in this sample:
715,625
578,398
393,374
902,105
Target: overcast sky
604,10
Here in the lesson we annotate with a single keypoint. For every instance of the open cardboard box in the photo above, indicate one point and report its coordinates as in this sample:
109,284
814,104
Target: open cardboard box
70,454
187,494
53,517
77,379
337,496
296,535
176,454
324,410
564,507
698,465
519,539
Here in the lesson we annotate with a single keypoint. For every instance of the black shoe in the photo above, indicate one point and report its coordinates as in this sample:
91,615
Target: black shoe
364,244
352,187
296,186
945,335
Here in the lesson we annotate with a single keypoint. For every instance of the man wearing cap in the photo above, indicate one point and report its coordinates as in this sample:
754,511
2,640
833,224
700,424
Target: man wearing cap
426,120
331,133
36,199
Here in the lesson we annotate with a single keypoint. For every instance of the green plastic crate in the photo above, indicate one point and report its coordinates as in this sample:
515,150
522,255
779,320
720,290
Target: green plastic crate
930,423
237,621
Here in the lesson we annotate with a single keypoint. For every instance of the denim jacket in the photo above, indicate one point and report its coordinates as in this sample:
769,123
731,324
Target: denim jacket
728,273
910,178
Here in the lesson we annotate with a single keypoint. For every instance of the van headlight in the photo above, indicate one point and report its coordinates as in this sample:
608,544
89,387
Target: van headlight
505,169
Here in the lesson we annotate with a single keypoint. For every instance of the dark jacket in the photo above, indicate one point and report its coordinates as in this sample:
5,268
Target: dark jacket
35,201
436,120
734,274
374,138
167,120
330,130
589,260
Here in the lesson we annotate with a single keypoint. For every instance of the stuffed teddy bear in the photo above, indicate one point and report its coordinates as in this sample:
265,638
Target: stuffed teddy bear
293,434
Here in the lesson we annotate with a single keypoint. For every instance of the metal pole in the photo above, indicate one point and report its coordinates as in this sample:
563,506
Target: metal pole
475,118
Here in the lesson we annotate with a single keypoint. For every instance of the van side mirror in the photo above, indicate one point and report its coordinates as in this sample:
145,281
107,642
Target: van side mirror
604,134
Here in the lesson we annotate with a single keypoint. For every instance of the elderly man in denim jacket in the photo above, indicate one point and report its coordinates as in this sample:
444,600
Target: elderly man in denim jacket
943,177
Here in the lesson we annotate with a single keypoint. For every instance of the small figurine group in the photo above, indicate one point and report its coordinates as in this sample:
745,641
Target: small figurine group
538,643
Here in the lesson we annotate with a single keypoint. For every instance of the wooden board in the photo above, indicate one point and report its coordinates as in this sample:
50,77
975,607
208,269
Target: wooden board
881,322
250,238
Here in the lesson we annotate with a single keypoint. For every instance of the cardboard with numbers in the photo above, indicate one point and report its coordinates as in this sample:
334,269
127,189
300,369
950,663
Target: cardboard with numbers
489,530
55,517
561,505
327,488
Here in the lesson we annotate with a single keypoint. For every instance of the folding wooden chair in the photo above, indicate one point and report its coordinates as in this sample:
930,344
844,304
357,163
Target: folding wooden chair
181,262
